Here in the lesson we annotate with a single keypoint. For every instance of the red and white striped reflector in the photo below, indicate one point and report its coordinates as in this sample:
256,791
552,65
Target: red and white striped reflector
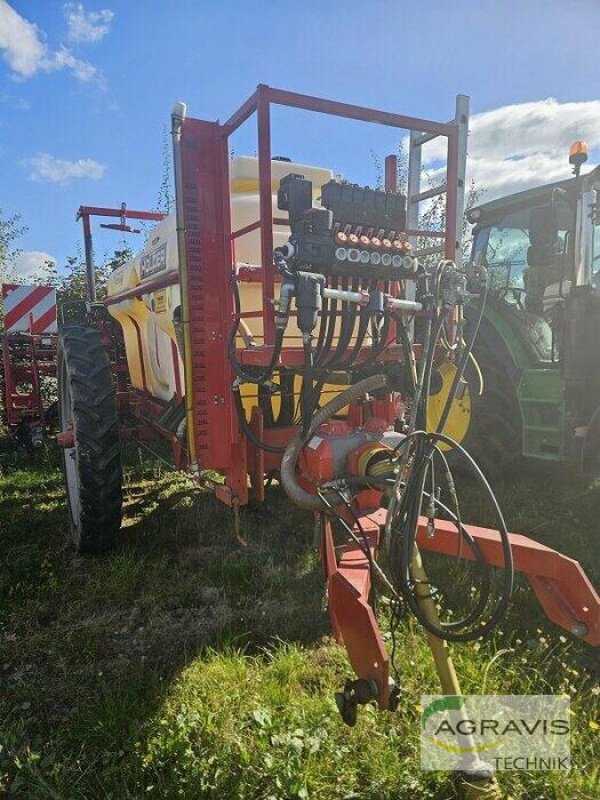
29,308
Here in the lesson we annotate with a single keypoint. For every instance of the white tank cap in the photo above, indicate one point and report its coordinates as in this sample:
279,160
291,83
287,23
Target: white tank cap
179,109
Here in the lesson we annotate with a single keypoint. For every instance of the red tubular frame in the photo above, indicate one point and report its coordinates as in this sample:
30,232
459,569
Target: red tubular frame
219,443
563,589
260,103
144,288
84,213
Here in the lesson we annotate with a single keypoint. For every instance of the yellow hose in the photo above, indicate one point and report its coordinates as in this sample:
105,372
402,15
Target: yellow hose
471,788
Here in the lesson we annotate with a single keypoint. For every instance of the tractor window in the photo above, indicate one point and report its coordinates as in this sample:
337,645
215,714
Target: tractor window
505,248
502,248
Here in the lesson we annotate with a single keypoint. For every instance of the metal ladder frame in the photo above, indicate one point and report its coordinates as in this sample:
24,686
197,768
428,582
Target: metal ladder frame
456,161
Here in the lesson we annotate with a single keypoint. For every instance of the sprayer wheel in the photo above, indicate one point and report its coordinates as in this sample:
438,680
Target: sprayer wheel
92,466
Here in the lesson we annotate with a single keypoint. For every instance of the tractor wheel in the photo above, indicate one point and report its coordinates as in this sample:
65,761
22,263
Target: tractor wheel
590,456
89,422
485,419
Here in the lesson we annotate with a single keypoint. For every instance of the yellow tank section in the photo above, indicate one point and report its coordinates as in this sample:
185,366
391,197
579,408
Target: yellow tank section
149,323
244,211
148,326
132,316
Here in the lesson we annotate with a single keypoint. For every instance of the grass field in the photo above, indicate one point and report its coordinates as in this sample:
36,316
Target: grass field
185,666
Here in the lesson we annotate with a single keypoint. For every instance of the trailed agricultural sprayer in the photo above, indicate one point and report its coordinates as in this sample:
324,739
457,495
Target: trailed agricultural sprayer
267,329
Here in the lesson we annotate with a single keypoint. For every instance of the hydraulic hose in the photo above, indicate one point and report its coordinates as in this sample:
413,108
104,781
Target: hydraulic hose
239,407
306,391
349,313
324,348
289,481
408,354
466,355
250,377
322,326
405,523
363,326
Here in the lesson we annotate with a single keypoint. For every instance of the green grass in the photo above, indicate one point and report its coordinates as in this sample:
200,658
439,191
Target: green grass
184,665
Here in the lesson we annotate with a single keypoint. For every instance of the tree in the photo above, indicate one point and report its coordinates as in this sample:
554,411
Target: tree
433,213
164,203
401,168
45,275
71,283
119,257
11,229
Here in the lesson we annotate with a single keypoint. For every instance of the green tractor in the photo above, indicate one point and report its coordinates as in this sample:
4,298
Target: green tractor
533,387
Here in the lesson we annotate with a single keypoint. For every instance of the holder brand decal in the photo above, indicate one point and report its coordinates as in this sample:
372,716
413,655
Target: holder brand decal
154,262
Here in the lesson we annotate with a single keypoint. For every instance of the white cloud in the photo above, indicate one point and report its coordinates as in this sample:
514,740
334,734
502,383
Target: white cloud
86,26
82,70
23,47
45,168
20,40
515,147
28,262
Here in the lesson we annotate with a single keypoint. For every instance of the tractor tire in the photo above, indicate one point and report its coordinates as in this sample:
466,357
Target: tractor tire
590,455
485,419
92,466
494,435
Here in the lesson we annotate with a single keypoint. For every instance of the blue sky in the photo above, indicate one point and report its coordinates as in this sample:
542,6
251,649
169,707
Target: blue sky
86,89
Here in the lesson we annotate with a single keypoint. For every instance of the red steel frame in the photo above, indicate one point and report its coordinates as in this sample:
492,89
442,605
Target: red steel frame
209,265
560,584
85,212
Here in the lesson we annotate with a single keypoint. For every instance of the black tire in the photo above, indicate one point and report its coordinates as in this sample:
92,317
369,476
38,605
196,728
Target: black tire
87,404
494,435
590,456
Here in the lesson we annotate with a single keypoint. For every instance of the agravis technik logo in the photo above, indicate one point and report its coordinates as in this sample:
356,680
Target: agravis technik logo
528,732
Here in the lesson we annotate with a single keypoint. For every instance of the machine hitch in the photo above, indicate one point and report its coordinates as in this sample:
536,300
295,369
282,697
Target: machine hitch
355,693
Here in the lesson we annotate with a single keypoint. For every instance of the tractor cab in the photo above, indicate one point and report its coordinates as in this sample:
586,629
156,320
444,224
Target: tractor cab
527,244
541,328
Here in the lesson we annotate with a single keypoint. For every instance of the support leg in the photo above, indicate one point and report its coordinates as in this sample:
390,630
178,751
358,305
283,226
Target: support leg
477,780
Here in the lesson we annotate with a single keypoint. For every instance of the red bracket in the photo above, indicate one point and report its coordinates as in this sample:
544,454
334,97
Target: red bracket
563,589
352,618
561,585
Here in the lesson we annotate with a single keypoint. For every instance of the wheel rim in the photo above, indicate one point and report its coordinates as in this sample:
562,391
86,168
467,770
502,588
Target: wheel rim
70,454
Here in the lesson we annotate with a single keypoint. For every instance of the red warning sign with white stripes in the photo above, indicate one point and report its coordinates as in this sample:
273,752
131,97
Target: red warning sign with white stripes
29,309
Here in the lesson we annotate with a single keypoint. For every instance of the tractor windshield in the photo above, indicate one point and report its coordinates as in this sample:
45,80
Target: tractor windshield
525,252
502,248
